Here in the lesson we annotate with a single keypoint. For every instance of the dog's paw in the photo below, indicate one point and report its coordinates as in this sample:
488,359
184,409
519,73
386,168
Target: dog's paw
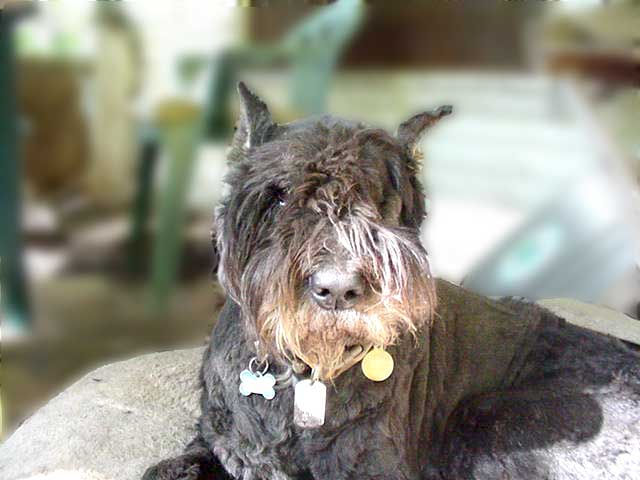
173,469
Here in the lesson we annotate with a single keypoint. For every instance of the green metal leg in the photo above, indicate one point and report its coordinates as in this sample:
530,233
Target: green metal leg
179,141
15,300
217,118
138,240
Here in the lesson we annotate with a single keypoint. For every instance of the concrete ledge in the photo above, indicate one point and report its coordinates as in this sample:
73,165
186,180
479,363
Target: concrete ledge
112,424
118,420
595,317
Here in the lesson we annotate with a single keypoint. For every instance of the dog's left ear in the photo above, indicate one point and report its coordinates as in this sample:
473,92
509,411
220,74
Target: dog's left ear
410,132
215,254
255,125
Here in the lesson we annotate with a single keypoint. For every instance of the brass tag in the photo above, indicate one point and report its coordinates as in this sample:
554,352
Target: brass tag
377,365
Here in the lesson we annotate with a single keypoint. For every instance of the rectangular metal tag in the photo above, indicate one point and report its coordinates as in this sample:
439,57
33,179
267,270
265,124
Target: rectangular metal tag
309,403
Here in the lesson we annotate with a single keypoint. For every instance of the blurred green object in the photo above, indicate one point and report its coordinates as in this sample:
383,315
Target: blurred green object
312,50
15,300
179,126
138,239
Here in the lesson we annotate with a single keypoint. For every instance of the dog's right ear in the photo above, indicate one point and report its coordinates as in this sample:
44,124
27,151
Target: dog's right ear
410,132
255,125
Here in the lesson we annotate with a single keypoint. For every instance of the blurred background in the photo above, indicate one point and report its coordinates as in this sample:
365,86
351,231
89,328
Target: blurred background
115,118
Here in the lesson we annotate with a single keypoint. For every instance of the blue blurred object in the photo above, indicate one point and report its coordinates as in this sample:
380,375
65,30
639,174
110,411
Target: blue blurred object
576,245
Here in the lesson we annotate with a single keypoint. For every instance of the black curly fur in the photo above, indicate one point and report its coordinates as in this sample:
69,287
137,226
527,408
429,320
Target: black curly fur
489,390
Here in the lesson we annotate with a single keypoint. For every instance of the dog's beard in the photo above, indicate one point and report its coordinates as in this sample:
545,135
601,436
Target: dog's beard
331,342
289,325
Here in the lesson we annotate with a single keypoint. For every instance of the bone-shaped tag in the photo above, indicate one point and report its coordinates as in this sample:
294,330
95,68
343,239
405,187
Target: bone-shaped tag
257,383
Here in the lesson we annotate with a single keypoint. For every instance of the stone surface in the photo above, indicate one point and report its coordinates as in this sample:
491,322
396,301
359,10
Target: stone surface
595,317
124,417
111,424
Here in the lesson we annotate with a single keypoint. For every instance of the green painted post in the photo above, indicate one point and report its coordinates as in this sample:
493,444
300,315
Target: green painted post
15,300
138,237
180,127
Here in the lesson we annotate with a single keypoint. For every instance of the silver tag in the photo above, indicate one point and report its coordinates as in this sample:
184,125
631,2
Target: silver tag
309,403
258,383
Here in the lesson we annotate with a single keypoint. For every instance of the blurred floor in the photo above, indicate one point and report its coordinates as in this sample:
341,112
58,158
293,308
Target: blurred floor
85,321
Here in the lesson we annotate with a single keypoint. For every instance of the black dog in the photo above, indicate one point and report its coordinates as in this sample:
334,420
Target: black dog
337,356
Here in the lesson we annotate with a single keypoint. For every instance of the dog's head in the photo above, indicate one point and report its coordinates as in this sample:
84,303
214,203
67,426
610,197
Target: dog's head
318,239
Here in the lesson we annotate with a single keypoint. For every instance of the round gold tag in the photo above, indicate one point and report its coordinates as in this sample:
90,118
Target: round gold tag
377,365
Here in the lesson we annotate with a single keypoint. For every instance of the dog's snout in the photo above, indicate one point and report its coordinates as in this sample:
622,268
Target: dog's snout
335,290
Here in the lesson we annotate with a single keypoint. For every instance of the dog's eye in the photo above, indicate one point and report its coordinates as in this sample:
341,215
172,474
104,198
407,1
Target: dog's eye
278,196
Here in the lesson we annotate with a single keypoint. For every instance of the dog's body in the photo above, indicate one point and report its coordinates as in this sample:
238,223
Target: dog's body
481,388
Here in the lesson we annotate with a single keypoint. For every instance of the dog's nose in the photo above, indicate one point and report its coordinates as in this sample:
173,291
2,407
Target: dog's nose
335,290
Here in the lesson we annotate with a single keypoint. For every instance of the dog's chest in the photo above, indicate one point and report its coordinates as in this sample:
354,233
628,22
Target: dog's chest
363,419
264,431
260,439
363,428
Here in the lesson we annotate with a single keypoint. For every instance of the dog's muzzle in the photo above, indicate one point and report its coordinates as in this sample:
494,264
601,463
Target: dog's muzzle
333,289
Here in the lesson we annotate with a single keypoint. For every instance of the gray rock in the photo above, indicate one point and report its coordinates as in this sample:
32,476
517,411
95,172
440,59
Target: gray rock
595,317
112,424
118,420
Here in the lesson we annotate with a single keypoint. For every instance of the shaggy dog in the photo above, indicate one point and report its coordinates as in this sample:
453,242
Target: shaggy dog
337,356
